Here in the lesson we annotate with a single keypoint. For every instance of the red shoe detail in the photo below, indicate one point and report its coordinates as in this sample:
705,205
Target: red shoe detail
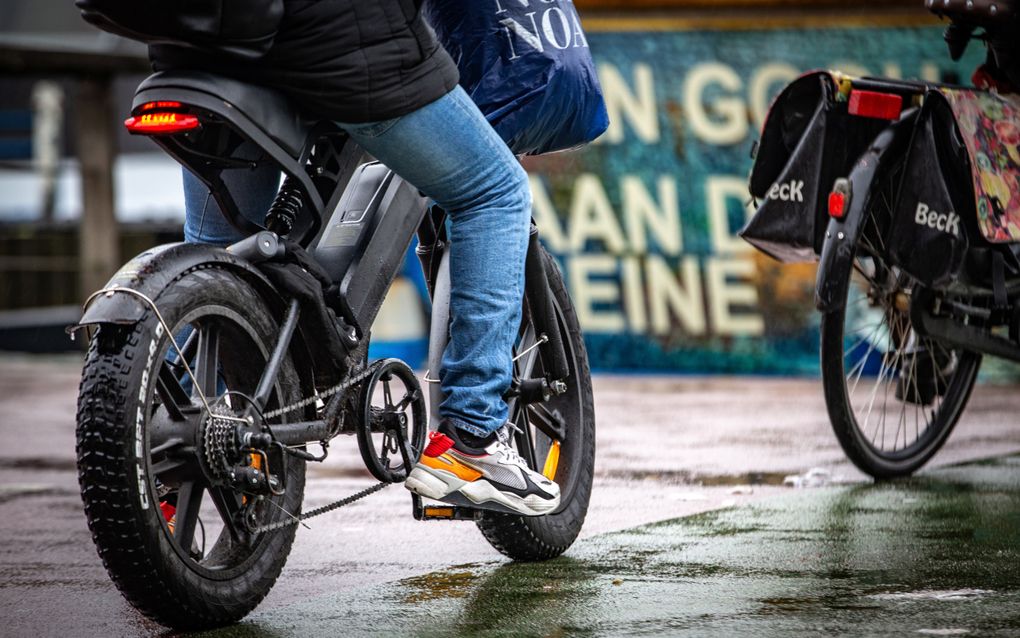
168,510
439,443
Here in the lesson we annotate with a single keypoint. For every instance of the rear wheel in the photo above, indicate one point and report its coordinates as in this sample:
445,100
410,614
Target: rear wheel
176,539
893,396
570,461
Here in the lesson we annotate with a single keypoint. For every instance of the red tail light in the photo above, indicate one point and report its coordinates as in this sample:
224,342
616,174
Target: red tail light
160,123
839,199
882,106
837,205
148,106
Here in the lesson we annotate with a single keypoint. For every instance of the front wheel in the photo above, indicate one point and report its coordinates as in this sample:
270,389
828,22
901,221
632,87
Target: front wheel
181,544
893,396
570,461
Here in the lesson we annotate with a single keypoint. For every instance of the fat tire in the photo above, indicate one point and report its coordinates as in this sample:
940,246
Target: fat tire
534,538
129,538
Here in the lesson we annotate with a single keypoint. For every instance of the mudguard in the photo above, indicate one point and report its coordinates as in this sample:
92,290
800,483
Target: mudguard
151,271
841,235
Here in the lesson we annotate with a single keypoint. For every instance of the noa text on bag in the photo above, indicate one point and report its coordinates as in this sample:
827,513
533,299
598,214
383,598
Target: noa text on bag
539,24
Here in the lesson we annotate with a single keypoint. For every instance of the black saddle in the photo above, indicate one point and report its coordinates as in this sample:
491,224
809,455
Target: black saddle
978,13
268,110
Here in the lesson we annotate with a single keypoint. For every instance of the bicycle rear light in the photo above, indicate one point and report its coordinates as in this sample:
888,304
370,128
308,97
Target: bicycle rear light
148,106
839,199
882,106
160,123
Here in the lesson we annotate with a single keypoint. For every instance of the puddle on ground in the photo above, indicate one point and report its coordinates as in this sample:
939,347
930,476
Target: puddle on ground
814,477
946,595
40,463
437,586
12,491
684,477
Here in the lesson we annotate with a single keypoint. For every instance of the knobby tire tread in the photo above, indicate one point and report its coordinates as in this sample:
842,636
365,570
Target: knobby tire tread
129,550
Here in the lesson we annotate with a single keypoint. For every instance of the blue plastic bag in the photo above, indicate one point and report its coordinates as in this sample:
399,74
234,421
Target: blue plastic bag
527,65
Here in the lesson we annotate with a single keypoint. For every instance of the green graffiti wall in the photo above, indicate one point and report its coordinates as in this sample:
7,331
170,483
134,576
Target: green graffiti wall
644,221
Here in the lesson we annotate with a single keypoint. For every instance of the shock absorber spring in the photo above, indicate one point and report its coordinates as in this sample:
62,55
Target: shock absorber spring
284,211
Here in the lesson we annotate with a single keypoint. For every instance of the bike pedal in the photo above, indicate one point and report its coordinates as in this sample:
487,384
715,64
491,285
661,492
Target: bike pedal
448,513
442,512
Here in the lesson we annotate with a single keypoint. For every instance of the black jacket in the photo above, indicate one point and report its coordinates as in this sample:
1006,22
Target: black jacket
347,60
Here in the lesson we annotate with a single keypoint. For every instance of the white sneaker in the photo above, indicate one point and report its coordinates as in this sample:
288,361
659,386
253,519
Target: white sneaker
495,477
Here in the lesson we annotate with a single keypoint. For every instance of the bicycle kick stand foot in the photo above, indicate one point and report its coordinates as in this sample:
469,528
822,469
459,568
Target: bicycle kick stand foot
424,512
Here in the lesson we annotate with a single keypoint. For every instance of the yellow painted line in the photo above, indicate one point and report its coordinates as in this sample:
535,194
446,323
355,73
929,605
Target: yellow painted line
753,22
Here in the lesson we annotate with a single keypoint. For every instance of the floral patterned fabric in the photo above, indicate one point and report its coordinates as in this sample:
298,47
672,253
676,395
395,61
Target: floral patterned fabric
990,125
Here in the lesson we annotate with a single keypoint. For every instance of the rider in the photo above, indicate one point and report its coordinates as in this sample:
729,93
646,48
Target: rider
378,71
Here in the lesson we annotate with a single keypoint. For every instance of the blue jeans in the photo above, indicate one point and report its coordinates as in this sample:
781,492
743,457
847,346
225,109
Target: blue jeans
449,152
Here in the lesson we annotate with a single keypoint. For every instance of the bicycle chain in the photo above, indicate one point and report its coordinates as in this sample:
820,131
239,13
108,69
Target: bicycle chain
294,520
346,384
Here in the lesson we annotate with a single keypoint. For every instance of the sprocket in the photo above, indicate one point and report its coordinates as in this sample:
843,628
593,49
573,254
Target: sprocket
220,449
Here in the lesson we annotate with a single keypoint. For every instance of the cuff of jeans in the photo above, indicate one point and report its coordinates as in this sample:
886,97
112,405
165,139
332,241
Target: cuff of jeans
467,427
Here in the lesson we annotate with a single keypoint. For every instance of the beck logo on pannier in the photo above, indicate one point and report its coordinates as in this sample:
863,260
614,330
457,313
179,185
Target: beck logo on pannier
793,191
946,222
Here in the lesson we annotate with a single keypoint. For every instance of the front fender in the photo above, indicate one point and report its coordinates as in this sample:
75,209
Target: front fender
841,235
150,272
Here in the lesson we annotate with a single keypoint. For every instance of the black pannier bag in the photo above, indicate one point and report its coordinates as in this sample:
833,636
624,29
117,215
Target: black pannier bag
242,28
934,215
801,152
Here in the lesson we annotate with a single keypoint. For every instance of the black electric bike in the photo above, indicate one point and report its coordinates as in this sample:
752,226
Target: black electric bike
911,288
211,371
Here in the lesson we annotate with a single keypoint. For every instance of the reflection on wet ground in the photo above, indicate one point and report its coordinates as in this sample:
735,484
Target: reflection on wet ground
935,555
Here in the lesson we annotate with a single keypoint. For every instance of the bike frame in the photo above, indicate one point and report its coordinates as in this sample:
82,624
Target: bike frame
357,220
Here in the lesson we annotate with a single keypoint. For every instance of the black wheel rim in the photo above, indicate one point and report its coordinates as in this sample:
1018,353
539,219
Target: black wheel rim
902,390
565,409
226,354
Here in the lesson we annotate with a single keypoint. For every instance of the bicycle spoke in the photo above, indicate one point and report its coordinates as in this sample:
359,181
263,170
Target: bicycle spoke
171,393
207,362
228,504
169,463
874,394
526,364
523,438
546,421
189,502
862,362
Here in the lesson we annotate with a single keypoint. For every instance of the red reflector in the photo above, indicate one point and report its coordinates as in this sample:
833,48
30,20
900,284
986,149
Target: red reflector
161,123
837,205
148,106
882,106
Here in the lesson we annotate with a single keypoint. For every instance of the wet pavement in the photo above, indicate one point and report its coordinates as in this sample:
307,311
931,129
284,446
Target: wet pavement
716,458
935,555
